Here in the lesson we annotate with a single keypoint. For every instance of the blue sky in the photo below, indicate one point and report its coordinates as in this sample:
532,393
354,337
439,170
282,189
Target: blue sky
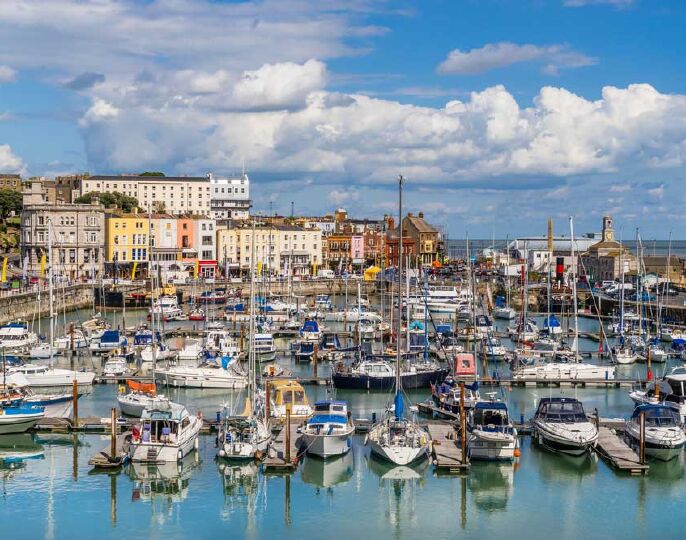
500,113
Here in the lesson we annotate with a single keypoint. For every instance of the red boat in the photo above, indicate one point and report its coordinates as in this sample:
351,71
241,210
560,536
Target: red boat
196,315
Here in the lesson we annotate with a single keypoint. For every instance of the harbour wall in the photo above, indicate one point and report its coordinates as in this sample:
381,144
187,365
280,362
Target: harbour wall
24,305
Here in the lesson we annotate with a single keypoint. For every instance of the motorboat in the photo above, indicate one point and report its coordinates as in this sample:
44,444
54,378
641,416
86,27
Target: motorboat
495,350
115,367
46,377
76,340
561,425
220,342
671,391
304,351
328,432
196,314
265,350
16,337
19,418
664,436
288,394
226,374
448,395
491,433
167,307
211,297
161,354
167,433
42,351
531,368
379,374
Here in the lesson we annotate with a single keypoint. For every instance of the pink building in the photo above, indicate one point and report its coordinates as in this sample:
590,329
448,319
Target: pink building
357,249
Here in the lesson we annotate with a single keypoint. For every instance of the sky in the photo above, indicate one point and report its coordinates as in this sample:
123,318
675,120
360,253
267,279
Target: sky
499,113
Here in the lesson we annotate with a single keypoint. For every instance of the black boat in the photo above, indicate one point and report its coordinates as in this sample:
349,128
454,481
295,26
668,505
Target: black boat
380,375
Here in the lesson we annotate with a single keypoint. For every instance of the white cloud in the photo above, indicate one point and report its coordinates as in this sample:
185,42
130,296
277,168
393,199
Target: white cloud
342,196
10,162
279,86
7,74
498,55
620,188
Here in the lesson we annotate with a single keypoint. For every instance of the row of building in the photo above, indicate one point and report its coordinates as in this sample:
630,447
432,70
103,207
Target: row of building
205,225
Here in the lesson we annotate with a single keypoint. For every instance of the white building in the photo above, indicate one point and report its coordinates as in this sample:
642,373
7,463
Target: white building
230,197
205,239
172,194
279,248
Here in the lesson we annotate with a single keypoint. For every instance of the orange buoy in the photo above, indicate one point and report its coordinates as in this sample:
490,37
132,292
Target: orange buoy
650,374
517,452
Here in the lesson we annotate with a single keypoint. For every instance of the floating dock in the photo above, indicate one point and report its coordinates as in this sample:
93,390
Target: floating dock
276,458
446,452
103,460
617,453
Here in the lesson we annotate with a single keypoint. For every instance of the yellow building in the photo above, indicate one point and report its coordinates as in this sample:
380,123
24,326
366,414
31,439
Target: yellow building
127,238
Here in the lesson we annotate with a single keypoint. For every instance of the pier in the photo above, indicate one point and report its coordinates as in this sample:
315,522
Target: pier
617,453
446,454
285,450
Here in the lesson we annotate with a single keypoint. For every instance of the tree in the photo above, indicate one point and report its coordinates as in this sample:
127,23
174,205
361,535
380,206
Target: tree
10,201
107,199
159,207
152,173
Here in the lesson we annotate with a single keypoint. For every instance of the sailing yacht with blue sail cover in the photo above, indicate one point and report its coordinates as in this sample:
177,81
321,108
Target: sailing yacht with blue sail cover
395,438
19,418
328,432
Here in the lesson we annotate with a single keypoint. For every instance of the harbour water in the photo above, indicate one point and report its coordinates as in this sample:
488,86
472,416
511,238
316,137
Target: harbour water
48,490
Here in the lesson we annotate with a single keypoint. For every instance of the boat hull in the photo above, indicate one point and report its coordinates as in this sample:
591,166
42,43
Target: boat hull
189,380
421,379
487,448
328,445
400,455
17,423
560,444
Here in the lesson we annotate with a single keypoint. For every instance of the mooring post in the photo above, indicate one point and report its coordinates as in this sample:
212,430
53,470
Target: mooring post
463,425
75,402
113,433
288,434
642,439
314,360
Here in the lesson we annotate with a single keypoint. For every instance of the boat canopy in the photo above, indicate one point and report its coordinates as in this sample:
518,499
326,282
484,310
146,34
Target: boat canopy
482,405
657,415
561,410
328,419
309,326
551,322
110,336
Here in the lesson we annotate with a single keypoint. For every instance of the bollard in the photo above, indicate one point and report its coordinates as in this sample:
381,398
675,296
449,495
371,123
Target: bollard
113,433
75,402
288,433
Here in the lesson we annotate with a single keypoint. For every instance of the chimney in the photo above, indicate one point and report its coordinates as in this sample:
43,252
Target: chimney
391,223
421,215
409,214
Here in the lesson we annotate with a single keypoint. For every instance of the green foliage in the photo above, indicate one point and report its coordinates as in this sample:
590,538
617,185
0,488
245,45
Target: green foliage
152,173
124,202
10,200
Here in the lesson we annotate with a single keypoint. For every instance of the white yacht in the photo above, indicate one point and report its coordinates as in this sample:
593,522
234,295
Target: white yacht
140,397
116,366
561,425
504,312
670,391
45,377
559,371
265,350
16,337
167,307
328,432
228,375
664,436
399,441
243,438
221,343
167,432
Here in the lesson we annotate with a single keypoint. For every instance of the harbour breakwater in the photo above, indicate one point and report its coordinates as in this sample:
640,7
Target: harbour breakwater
26,305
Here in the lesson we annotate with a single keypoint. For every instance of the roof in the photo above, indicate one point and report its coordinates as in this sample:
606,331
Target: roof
420,224
138,178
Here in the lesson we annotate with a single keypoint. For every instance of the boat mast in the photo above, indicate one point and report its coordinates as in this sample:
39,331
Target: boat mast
152,299
575,345
398,414
251,338
50,283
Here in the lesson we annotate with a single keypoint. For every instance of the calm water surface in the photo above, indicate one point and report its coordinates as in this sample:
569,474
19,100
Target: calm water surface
48,490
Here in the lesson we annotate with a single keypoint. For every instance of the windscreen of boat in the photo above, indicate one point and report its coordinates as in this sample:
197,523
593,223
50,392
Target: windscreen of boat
677,386
661,417
564,412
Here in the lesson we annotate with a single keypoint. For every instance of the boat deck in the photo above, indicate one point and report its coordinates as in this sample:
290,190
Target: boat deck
276,458
447,453
617,453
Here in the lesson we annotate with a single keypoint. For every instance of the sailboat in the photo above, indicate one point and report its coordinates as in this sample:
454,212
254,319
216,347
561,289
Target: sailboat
249,435
397,439
622,354
502,309
46,350
535,368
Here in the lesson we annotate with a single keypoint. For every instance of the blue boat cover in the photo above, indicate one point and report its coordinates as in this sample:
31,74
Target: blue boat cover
328,418
490,405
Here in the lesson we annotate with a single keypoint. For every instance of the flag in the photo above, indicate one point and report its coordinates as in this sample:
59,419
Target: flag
42,265
25,268
314,269
133,270
4,270
259,268
196,270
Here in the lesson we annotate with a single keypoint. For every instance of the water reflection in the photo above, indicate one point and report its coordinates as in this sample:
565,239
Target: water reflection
491,485
327,473
15,450
166,482
556,467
